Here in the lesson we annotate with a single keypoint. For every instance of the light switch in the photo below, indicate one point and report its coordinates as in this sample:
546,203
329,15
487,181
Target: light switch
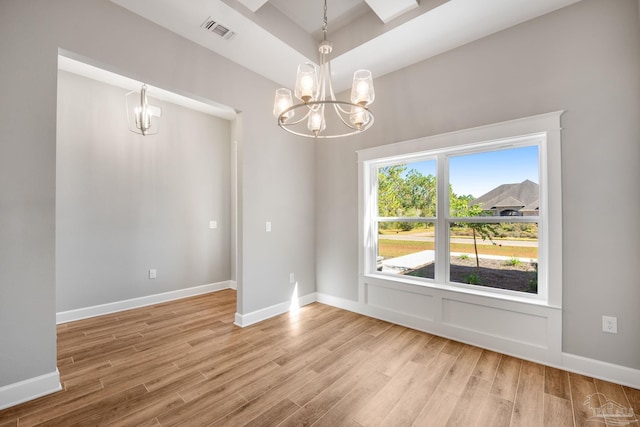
267,227
213,224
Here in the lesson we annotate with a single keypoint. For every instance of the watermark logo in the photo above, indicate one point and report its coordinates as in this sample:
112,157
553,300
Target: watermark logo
609,411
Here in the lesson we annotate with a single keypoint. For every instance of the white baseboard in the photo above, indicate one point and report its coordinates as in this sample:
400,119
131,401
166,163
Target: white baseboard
344,304
233,285
244,320
569,362
601,370
22,391
99,310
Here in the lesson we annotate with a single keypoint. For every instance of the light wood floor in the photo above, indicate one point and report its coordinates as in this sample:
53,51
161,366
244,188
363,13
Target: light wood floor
185,363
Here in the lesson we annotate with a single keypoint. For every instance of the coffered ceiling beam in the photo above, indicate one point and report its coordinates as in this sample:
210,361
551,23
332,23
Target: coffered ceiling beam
388,10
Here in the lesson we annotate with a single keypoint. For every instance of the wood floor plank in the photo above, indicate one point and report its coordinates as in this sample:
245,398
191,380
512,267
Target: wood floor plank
388,396
487,365
48,412
341,353
9,423
557,411
111,403
340,414
505,382
231,380
453,347
86,345
378,327
419,391
430,350
614,394
134,411
633,397
184,362
350,331
386,336
404,350
470,405
74,377
322,382
205,356
581,389
274,415
527,410
202,412
320,405
438,409
497,412
456,379
236,367
556,383
263,403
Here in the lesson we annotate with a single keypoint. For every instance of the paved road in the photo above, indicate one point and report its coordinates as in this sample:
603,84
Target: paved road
428,237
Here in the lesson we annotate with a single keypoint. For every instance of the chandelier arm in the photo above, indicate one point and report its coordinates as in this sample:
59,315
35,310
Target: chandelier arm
343,111
323,75
333,98
338,109
282,116
143,110
288,126
331,93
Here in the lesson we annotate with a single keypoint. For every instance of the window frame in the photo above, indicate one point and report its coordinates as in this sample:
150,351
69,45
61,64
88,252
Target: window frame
543,131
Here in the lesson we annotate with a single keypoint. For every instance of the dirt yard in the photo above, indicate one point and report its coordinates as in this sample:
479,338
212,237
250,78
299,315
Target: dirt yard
494,273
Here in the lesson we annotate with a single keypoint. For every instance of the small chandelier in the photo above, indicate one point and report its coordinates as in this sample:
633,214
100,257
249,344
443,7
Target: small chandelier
308,118
142,117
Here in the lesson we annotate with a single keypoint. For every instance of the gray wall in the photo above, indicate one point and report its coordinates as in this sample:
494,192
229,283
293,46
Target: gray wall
126,203
584,59
277,171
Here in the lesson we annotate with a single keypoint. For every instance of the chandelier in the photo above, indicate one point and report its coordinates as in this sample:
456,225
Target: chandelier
315,91
142,117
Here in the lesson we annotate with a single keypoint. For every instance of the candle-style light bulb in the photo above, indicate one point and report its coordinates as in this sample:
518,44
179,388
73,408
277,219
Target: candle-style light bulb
362,92
316,123
306,83
281,103
358,117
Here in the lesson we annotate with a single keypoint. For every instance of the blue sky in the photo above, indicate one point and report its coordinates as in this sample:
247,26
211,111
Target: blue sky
476,174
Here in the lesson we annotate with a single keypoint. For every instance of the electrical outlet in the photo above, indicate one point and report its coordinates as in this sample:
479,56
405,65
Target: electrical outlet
267,227
610,324
153,273
292,278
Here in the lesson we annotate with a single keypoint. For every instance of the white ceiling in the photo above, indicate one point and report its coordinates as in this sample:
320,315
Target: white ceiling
273,36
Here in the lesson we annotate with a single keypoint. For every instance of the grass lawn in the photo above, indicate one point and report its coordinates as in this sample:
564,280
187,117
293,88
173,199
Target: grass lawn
395,248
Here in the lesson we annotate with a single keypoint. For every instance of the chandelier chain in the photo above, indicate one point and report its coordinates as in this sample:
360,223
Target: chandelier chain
324,22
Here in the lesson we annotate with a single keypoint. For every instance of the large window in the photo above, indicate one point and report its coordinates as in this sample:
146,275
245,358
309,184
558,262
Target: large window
471,217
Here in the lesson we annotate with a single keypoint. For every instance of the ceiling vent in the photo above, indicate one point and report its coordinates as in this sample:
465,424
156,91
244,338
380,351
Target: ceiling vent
218,29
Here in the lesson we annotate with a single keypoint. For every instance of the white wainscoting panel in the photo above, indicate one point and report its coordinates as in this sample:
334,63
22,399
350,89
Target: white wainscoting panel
521,327
408,303
529,330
